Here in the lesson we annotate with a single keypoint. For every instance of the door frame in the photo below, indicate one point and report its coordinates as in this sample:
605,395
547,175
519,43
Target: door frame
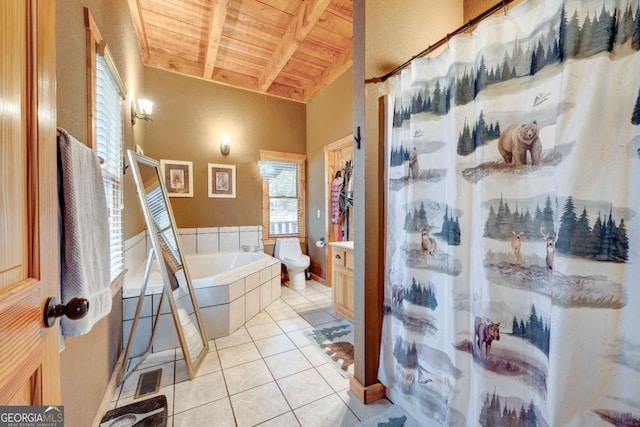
332,156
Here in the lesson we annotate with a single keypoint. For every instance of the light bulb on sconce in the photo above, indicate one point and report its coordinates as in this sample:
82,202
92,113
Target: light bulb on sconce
141,109
225,145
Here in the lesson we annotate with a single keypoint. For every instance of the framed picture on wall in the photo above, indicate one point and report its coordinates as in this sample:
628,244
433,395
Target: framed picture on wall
222,180
178,177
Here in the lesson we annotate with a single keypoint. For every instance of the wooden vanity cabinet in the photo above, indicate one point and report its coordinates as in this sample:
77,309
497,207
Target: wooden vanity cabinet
342,281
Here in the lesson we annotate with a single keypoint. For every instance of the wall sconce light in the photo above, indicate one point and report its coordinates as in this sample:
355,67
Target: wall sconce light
142,111
225,145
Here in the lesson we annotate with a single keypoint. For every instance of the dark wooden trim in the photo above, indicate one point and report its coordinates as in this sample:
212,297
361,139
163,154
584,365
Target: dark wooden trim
369,393
374,290
319,279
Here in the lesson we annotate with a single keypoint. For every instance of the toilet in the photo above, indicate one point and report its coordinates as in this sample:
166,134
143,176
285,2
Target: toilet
288,251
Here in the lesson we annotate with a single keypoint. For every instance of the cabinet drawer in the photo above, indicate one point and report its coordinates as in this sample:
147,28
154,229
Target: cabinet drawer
343,258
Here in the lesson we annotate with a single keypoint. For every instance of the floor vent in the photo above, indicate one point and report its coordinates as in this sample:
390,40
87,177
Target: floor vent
148,383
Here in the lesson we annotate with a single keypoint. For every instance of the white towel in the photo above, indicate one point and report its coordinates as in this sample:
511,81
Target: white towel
85,259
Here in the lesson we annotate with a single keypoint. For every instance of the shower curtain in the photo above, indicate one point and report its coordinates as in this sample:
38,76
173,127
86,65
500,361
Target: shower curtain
512,270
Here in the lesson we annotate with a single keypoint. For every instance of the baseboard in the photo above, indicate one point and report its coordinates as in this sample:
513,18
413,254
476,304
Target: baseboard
369,393
318,279
109,392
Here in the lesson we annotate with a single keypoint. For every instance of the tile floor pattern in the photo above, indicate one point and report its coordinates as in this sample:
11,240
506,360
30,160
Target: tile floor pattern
266,374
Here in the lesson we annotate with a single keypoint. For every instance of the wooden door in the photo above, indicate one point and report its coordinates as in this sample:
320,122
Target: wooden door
29,353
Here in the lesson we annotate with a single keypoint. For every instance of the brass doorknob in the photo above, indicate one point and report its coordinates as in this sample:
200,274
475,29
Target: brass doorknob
74,309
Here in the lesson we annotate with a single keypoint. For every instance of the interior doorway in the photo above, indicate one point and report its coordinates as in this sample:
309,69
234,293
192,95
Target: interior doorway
338,161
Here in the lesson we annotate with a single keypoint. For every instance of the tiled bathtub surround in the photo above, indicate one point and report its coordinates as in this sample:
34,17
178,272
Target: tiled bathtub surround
224,307
221,239
135,252
196,241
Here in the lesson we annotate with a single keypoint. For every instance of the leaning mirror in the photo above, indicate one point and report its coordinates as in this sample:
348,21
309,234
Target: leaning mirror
167,253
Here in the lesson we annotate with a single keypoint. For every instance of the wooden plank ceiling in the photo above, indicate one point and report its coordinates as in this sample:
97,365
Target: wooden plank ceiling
286,48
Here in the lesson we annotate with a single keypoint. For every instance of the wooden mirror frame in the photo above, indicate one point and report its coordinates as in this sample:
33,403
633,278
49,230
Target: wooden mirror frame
168,265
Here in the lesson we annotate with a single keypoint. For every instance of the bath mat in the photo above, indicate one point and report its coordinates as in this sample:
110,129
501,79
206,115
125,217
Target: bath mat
394,416
336,345
148,383
146,413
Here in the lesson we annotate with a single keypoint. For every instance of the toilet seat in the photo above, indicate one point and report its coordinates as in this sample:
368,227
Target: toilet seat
301,261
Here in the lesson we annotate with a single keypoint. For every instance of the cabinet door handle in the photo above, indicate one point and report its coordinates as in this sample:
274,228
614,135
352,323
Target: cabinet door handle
338,256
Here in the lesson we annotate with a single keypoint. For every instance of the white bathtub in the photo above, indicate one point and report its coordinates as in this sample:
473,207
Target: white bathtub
204,269
230,288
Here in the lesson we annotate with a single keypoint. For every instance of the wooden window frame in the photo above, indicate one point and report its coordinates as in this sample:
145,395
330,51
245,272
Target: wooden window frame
301,160
96,45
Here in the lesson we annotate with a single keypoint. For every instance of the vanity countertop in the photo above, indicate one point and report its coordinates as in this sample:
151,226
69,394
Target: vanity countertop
343,245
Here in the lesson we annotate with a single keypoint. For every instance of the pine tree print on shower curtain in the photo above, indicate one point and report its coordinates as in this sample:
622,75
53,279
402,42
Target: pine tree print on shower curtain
512,255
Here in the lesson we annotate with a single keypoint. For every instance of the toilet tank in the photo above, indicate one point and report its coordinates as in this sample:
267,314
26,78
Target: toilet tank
287,247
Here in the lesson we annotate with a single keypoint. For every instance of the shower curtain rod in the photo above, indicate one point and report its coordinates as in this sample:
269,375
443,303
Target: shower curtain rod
445,39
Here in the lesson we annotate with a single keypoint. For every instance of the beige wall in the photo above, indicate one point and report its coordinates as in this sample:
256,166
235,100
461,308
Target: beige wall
395,34
88,361
473,8
329,118
388,35
190,117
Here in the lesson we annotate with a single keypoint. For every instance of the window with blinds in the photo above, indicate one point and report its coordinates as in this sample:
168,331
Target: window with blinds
108,144
283,193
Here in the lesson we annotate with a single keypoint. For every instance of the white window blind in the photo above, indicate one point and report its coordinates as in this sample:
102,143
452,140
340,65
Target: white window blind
160,216
108,128
285,198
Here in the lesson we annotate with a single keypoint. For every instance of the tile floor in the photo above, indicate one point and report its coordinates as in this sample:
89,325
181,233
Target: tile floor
266,373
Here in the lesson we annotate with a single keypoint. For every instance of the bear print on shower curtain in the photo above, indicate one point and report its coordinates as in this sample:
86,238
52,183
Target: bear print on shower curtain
512,259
